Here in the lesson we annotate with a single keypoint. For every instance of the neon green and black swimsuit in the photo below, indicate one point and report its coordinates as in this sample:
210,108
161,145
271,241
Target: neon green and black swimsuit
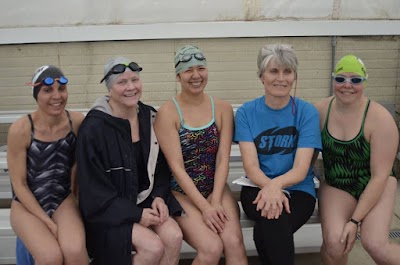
346,163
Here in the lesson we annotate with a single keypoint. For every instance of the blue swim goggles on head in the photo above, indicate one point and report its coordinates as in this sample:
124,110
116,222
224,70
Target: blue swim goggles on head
48,81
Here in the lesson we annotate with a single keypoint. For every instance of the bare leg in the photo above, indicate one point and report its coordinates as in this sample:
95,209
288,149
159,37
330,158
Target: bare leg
149,248
71,234
36,236
376,225
207,243
335,207
231,236
171,237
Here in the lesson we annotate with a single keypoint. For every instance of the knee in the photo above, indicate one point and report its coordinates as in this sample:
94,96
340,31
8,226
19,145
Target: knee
75,253
375,247
333,247
173,238
153,250
158,249
50,257
234,242
210,251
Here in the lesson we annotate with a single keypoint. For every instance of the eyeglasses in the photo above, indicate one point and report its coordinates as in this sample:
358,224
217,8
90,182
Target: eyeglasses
120,68
353,80
48,81
187,57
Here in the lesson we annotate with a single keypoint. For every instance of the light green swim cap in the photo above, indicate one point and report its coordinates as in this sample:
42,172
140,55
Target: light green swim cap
351,64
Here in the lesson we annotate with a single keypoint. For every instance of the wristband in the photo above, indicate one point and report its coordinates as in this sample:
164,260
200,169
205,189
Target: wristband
355,221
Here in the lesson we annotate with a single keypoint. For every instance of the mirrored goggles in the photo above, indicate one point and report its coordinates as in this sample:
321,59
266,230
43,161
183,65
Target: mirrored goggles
187,57
120,68
353,80
48,81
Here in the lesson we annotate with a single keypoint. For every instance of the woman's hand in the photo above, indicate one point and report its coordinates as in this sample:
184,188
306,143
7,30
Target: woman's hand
159,205
220,211
271,200
149,217
215,217
348,237
53,228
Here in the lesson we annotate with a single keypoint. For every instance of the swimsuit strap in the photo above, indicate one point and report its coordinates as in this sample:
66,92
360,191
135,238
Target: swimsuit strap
181,116
70,120
179,111
32,127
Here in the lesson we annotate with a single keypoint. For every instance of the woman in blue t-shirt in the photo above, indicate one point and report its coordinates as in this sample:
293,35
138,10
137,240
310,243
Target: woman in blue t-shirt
278,136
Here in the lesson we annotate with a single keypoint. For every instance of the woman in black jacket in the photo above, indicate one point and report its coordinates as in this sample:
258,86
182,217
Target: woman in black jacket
123,178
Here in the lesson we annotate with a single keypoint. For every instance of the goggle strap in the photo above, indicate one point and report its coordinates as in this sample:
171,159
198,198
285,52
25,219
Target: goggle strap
132,65
188,57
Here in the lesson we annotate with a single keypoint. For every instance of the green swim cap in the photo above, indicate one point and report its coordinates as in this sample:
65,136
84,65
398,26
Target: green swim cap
351,64
188,56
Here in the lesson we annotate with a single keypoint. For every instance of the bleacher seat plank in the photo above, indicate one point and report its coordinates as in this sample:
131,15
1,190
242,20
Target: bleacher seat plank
307,239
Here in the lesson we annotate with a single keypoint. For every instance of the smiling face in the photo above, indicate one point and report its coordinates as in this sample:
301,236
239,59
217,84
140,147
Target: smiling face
194,79
126,90
52,99
348,92
278,80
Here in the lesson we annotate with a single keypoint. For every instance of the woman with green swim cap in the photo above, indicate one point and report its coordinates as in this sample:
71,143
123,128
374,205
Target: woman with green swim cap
360,141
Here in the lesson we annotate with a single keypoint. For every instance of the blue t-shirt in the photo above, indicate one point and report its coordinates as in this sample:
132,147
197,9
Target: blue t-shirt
278,133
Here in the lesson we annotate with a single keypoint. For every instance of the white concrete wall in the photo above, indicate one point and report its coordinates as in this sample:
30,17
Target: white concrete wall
231,61
43,21
43,13
80,35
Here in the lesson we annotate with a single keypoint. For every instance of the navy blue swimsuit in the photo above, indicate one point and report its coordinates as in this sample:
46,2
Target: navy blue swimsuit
49,169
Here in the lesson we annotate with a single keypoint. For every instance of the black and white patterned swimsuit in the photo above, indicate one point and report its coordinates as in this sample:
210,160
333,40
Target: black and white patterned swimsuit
49,169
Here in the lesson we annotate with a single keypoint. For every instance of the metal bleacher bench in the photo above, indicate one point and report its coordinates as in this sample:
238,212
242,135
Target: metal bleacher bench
307,239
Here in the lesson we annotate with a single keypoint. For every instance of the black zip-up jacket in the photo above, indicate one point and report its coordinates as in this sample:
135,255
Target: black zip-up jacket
109,197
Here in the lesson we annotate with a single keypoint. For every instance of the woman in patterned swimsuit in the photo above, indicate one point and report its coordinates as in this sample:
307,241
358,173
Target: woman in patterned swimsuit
40,155
360,141
195,134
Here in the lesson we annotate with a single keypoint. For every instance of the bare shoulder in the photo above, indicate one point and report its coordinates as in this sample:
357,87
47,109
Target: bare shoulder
380,116
167,116
77,118
20,131
167,108
223,106
323,104
379,124
322,107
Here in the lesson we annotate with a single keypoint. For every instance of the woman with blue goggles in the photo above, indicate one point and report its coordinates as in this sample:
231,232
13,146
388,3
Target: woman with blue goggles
41,163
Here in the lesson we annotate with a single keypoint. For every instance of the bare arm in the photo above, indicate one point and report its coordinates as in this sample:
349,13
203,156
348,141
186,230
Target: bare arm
302,162
299,171
225,126
384,140
251,165
18,141
77,118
